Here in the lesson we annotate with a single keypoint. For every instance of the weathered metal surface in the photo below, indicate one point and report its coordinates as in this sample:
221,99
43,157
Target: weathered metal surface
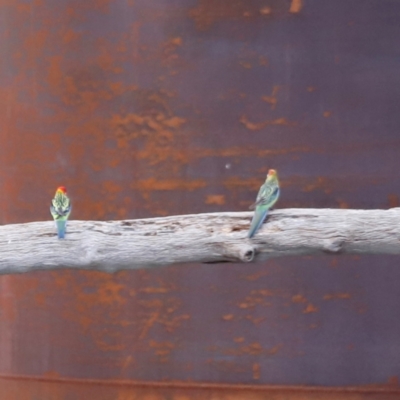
21,388
146,108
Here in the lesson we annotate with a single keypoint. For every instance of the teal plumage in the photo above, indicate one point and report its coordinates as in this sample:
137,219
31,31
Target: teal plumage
266,198
60,209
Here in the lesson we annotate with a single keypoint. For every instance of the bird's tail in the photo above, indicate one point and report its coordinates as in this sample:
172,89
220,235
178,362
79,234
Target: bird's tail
258,218
61,224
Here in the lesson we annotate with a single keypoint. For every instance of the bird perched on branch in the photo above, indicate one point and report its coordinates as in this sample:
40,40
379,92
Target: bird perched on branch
60,209
266,198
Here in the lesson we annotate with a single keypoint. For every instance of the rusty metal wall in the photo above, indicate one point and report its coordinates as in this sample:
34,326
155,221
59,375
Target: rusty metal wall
156,107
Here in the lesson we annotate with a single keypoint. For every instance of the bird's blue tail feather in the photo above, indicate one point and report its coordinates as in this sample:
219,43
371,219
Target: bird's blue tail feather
256,222
61,229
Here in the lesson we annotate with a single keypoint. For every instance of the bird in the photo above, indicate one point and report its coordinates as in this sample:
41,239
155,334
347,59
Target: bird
60,209
266,198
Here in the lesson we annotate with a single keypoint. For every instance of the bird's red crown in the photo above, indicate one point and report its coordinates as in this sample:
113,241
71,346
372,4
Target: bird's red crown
62,189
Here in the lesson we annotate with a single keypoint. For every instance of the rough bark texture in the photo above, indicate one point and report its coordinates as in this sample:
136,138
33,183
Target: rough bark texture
205,238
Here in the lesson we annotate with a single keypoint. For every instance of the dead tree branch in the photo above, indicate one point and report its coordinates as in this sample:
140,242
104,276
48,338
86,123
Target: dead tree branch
202,238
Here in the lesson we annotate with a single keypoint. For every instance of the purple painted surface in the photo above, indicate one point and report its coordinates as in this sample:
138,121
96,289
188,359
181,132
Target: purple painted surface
149,108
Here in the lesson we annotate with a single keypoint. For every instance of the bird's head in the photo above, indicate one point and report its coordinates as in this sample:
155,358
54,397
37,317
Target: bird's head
272,176
61,190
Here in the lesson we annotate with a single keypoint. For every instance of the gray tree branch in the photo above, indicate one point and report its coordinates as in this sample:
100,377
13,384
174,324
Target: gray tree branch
201,238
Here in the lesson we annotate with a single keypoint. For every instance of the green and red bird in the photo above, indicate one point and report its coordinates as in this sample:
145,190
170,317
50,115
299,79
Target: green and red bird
60,209
266,198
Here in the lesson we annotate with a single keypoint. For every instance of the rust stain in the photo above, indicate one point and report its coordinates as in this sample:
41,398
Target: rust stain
248,151
70,36
17,387
311,89
206,13
133,42
233,182
126,362
172,159
333,296
161,312
256,371
260,125
245,64
393,200
257,321
209,12
334,263
228,317
256,297
101,297
321,183
394,381
256,276
170,58
52,375
156,136
298,298
109,293
217,199
40,299
153,184
24,8
174,122
262,292
101,293
226,366
253,349
272,99
111,188
9,311
263,61
275,349
177,41
265,10
327,114
251,303
79,9
107,347
133,126
343,204
310,309
83,88
148,324
155,290
162,349
239,339
296,6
